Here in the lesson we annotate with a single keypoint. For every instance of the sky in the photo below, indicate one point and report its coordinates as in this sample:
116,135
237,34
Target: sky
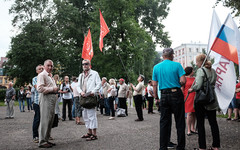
188,21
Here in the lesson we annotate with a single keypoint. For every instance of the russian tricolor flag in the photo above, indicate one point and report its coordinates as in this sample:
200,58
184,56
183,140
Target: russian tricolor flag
227,42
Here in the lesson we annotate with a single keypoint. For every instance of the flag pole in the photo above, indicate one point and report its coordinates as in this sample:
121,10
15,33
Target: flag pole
120,58
199,68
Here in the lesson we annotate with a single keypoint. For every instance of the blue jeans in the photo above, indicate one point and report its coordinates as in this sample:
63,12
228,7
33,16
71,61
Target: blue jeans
29,103
73,108
107,106
21,103
36,120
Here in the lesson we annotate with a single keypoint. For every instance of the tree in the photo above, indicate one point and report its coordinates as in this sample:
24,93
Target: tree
233,4
55,30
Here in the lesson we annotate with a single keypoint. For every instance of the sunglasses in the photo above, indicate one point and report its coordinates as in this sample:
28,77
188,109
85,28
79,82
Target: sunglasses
85,64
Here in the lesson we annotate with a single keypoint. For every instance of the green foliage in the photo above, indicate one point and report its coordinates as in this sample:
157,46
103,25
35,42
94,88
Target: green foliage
55,30
2,94
233,4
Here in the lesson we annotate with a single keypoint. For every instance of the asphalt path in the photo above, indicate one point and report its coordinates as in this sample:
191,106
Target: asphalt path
123,133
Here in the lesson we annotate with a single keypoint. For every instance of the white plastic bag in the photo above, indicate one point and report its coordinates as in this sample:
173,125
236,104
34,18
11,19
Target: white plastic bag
121,112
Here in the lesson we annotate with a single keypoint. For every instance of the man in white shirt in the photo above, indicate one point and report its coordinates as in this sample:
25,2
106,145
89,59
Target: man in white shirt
150,97
65,89
89,84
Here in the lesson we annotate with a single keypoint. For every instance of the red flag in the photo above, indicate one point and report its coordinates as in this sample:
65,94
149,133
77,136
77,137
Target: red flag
103,30
87,51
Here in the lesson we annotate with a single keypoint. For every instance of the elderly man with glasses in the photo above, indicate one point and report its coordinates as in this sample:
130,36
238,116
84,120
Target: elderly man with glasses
89,83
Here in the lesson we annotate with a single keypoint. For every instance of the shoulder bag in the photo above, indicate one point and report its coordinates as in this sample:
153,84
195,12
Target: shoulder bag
88,102
205,95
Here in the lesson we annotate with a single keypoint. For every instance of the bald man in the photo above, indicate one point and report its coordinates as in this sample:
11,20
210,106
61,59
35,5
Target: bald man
47,90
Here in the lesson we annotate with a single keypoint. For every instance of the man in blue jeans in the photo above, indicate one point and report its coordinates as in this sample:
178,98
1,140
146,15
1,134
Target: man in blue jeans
170,76
36,120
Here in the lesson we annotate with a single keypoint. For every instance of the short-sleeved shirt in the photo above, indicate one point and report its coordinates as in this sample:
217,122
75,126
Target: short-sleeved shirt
67,95
34,82
122,92
167,74
113,88
139,89
74,87
238,93
149,88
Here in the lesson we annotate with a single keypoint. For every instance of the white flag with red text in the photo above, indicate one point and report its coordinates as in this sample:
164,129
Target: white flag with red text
226,75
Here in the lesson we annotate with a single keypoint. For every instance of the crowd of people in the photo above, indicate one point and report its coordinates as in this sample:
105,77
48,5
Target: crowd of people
87,94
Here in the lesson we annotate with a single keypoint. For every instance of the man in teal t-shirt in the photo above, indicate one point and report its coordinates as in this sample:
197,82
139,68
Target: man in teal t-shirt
170,76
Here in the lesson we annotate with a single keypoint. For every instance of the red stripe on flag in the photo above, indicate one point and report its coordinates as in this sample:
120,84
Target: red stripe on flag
223,48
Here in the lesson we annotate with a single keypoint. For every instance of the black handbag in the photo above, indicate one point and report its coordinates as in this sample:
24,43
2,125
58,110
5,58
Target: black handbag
55,121
205,96
88,102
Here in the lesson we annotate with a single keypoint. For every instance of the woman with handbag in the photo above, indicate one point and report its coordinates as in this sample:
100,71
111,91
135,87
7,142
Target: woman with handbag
202,110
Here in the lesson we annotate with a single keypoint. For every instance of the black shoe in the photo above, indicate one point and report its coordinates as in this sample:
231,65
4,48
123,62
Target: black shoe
45,146
52,144
63,119
171,145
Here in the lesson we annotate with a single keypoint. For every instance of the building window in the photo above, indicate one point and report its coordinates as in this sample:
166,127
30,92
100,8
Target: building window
197,50
5,80
190,49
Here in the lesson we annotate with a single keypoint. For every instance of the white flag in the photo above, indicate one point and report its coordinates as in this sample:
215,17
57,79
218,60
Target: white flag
226,75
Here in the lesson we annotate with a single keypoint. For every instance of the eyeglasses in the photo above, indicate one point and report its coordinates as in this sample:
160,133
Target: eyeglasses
85,64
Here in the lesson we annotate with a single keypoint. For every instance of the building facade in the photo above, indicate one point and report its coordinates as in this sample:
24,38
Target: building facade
186,53
4,80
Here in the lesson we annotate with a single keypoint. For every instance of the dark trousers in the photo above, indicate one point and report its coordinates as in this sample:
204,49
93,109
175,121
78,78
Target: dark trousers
69,103
36,120
101,104
138,106
150,104
172,102
111,104
211,115
123,104
144,104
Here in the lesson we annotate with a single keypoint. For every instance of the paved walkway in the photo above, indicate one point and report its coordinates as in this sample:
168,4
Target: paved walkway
119,134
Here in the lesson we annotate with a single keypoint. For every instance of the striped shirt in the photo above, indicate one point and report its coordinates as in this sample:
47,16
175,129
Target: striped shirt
34,82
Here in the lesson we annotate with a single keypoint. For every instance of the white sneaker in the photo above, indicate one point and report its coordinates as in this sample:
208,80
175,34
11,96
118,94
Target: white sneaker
111,118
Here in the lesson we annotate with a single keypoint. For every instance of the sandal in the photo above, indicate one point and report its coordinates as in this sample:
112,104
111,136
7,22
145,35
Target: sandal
189,134
228,119
88,135
80,123
93,137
